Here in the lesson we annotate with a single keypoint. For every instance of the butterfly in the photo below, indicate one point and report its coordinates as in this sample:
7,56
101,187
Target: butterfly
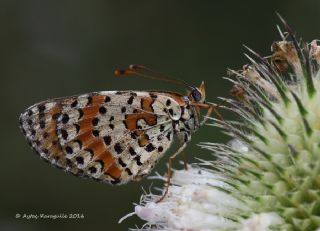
114,136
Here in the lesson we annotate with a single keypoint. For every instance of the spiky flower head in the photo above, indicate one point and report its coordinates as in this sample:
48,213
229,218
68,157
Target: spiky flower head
268,176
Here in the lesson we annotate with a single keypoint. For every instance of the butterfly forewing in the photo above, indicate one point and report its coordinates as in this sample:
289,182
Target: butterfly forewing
110,136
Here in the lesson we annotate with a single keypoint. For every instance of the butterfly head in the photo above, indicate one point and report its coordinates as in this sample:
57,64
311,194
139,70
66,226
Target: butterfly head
198,94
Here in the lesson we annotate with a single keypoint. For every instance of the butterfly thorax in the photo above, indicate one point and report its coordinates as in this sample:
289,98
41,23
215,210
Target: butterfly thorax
188,121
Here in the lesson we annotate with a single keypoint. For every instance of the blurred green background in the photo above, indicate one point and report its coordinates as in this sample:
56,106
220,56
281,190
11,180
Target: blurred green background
59,48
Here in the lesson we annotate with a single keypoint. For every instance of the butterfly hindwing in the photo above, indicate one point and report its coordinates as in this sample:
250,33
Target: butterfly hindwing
110,136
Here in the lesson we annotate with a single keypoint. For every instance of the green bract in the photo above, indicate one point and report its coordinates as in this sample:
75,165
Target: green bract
268,176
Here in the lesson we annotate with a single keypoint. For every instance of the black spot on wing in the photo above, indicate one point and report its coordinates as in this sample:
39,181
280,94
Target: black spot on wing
80,111
69,150
92,170
64,134
138,161
41,115
132,152
153,96
133,135
168,136
42,124
89,100
161,128
102,110
74,103
107,99
65,118
128,171
29,122
115,181
41,108
118,148
95,121
30,112
150,147
120,161
95,133
77,126
79,160
45,135
107,140
130,100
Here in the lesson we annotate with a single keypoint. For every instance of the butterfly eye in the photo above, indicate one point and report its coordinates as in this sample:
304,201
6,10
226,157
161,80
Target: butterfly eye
196,95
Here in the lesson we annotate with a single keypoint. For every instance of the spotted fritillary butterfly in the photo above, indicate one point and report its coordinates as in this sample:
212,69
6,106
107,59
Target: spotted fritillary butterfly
112,136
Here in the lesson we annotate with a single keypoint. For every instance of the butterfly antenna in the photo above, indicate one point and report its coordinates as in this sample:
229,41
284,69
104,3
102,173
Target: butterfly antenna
134,70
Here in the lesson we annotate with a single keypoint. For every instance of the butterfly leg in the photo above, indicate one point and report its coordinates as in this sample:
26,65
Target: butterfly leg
184,159
211,108
170,171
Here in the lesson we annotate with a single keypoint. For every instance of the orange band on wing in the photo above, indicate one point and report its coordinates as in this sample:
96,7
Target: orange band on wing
91,110
113,171
131,120
143,140
107,158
